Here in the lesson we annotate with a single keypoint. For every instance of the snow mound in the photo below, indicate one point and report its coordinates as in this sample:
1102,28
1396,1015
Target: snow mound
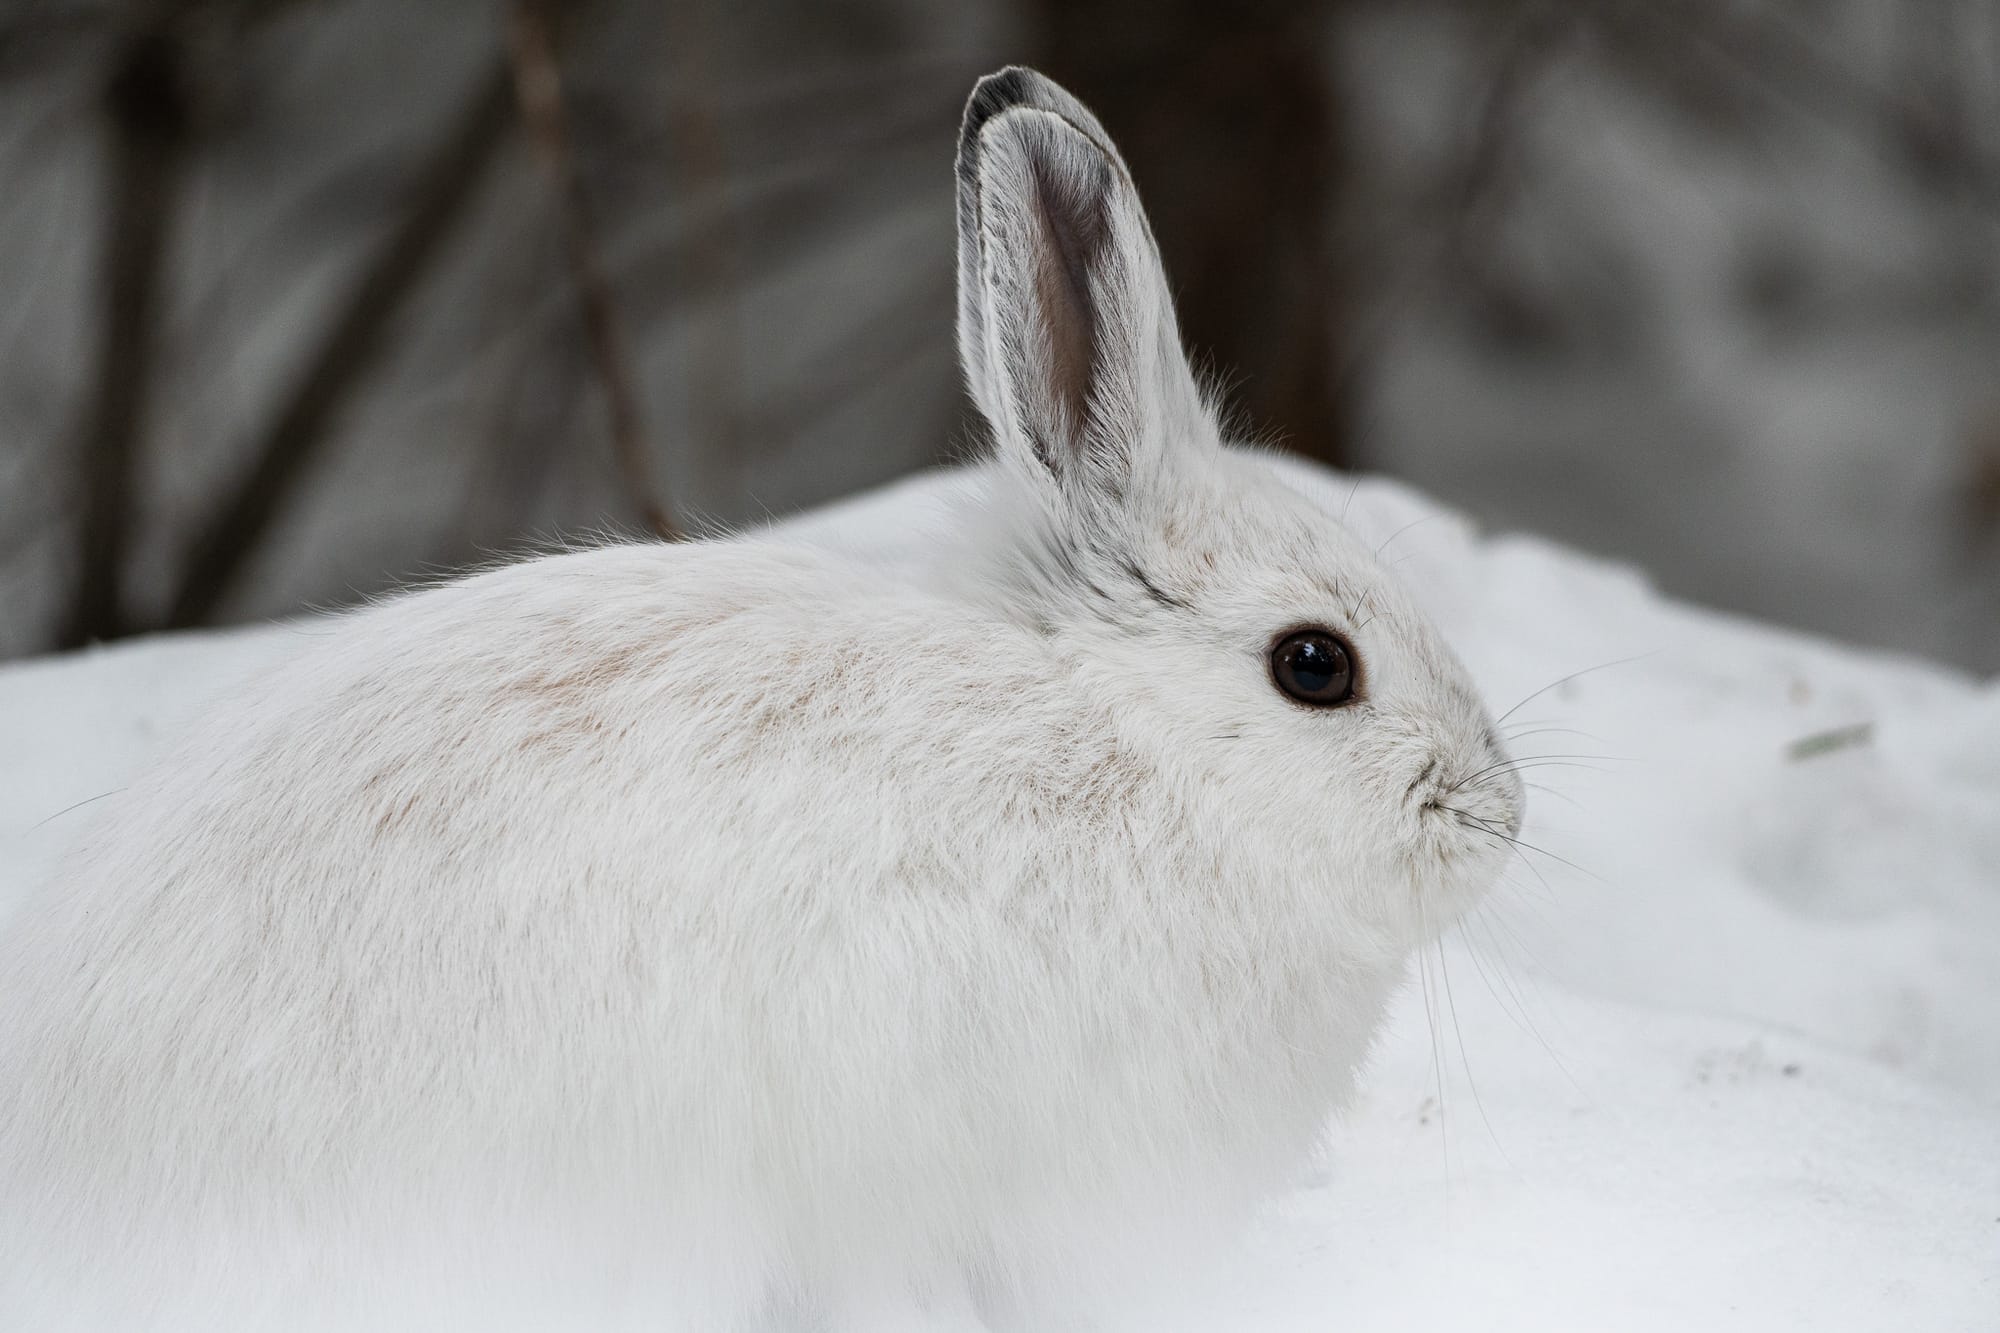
1723,1054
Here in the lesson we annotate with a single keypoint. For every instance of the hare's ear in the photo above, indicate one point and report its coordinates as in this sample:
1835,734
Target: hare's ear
1065,327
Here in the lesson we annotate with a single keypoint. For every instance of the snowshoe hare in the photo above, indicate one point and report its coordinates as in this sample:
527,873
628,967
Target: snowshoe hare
743,934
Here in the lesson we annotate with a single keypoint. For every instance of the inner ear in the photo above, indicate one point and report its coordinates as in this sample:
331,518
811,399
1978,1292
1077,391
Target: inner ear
1072,234
1070,333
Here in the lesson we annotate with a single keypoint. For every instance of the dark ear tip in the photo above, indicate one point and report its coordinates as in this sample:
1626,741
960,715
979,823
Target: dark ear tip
1007,86
1002,90
1019,88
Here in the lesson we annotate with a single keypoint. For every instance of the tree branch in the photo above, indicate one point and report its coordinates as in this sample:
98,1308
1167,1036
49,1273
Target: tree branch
147,116
1782,62
714,368
353,343
538,84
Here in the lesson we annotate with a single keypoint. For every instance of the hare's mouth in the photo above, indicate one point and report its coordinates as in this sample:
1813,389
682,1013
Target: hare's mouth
1485,803
1476,810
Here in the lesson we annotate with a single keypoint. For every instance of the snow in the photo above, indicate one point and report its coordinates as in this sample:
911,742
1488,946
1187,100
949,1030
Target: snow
1724,1053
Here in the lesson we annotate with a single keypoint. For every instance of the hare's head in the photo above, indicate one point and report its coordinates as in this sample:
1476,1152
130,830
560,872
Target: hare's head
1230,616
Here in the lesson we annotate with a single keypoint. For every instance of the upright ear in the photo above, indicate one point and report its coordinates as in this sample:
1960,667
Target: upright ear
1065,326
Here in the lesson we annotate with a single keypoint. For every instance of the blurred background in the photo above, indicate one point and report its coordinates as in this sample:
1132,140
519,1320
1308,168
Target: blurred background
303,299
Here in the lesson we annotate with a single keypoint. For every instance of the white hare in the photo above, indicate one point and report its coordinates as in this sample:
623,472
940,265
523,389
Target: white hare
743,932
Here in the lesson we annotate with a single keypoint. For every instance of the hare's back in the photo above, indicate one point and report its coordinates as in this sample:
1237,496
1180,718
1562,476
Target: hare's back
426,887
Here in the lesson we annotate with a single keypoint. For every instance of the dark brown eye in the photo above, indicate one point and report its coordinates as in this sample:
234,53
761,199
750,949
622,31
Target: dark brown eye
1315,667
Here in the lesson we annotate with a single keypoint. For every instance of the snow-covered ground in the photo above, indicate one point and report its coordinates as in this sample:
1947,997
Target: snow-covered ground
1724,1053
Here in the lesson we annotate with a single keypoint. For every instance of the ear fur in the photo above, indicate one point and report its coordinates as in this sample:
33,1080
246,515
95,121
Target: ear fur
1066,329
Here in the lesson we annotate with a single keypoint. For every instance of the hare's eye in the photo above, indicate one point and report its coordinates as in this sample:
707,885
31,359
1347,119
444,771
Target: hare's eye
1315,667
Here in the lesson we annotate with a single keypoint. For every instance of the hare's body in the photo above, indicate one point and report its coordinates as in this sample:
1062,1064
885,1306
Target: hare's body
687,933
341,966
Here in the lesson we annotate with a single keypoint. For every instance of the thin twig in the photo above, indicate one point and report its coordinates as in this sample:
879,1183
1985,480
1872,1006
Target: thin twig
1468,195
148,115
1539,36
538,85
354,341
794,217
530,379
1782,61
715,369
37,43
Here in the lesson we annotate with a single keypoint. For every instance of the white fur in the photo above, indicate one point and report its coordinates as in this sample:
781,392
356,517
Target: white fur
746,931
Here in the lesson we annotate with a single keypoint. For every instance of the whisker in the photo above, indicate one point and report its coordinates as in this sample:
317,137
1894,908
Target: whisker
77,806
1501,925
1417,523
1464,1060
1517,1006
1531,908
1365,599
1547,790
1524,758
1519,1010
1492,771
1602,666
1437,1058
1534,730
1539,891
1487,826
1349,502
1478,825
